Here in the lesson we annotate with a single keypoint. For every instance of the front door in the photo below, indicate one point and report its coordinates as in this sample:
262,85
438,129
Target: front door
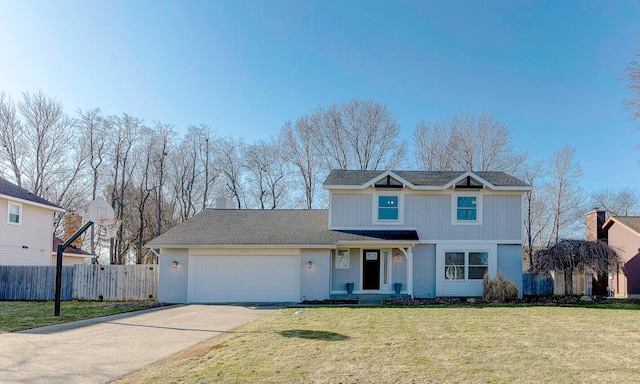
371,269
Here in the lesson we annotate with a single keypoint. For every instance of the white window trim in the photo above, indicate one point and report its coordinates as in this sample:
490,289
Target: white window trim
20,215
454,208
375,207
336,266
466,287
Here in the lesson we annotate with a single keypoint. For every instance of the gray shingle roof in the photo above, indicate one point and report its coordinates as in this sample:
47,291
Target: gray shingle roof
420,178
219,227
9,189
632,222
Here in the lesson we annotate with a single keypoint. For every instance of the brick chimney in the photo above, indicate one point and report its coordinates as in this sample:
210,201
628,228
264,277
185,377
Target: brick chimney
72,222
595,221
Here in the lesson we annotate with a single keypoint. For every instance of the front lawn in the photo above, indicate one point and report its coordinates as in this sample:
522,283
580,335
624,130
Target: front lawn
479,344
19,315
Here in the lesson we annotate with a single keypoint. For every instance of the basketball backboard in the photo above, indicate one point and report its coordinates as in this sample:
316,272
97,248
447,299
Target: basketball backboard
99,210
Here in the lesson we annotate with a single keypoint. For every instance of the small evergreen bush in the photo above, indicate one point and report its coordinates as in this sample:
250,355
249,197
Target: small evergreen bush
499,289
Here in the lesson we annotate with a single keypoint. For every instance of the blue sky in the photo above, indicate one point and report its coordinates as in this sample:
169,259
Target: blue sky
548,69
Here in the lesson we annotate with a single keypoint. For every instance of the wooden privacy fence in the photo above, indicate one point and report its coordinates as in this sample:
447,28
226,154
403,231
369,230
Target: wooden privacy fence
535,284
81,282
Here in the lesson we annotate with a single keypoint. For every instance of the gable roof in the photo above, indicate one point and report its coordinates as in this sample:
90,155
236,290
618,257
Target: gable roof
258,227
69,251
631,222
13,192
434,180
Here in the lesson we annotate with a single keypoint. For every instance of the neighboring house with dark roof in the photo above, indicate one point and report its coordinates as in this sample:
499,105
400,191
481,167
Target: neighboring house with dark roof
70,256
26,226
425,234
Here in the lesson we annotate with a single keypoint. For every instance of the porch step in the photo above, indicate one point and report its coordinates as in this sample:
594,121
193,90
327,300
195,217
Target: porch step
372,299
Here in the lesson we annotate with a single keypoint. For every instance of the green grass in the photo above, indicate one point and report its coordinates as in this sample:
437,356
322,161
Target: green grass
20,315
464,344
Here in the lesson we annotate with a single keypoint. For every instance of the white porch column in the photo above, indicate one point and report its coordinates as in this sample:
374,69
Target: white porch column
410,272
408,254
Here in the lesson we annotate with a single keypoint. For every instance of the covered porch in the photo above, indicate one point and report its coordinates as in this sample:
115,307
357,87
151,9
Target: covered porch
381,270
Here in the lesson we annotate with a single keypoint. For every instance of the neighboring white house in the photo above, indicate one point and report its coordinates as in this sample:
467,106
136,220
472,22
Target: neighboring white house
425,234
71,255
26,226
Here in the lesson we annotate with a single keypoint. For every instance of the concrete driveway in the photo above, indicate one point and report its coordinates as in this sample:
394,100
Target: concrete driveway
99,350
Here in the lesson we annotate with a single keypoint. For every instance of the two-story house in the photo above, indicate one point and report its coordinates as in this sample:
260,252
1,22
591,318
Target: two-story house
26,226
423,234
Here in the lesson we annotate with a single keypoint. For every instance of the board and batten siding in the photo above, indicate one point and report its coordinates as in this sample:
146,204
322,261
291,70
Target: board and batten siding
351,209
30,242
343,276
424,271
510,264
431,215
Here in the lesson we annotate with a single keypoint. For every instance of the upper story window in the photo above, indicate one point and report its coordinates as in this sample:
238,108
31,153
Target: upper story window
467,209
388,208
15,213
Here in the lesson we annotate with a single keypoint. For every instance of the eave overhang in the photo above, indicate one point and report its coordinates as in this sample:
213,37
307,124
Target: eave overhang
450,185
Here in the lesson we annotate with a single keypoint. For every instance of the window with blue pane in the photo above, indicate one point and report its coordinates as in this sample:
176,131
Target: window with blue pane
388,208
467,208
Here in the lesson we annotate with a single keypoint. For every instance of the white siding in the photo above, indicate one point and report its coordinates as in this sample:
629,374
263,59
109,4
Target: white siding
29,243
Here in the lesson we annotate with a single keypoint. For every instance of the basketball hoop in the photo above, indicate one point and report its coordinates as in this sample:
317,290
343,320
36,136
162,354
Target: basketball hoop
111,226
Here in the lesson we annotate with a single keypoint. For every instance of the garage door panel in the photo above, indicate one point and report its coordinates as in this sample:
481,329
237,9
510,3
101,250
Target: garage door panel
265,278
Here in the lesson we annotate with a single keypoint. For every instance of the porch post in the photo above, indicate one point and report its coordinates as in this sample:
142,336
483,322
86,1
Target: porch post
409,257
408,254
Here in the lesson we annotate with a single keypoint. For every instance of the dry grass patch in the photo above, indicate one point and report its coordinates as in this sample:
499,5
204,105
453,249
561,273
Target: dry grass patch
415,345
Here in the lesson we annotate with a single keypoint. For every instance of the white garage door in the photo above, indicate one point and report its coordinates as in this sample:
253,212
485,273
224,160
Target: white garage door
254,278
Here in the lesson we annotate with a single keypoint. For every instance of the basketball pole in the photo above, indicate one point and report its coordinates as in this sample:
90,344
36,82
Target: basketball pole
61,248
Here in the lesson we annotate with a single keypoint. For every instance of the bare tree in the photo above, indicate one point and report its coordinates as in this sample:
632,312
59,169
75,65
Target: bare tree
53,159
13,146
267,172
432,152
632,75
47,129
93,138
624,202
358,134
565,193
145,160
298,140
184,175
124,134
537,217
231,167
207,157
467,142
165,135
